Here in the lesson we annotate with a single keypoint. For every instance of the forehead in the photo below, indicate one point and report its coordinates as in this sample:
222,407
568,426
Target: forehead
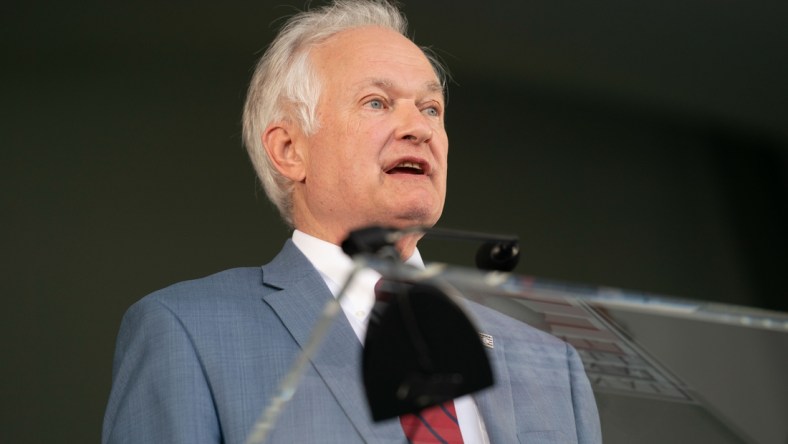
373,55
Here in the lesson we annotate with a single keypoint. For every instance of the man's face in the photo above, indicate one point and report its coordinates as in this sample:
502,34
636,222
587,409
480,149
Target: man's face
380,153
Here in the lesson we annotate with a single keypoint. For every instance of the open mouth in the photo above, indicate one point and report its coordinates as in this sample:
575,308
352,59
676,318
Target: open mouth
406,168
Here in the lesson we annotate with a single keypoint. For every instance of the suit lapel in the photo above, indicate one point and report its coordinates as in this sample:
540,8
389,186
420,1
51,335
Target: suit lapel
299,303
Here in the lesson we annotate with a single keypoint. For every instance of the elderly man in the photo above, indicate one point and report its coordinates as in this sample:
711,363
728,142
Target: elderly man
344,123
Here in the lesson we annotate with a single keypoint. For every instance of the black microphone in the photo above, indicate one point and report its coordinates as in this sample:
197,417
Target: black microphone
498,255
497,252
369,240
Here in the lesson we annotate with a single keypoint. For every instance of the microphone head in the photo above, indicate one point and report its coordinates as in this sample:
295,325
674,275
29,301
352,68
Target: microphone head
498,255
368,240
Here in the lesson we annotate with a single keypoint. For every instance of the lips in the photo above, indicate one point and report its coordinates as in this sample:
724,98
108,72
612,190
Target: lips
409,166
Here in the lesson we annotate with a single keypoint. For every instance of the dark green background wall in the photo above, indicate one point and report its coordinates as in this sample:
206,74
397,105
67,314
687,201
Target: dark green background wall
635,146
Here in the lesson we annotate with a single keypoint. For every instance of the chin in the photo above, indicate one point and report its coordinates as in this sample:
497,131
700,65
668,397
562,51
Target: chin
418,217
415,210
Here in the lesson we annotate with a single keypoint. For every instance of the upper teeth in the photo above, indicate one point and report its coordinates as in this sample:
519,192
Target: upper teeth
409,165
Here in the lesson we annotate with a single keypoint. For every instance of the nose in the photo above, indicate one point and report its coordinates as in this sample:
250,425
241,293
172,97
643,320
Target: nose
413,125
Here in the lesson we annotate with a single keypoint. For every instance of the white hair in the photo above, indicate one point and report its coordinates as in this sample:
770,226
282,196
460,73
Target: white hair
285,86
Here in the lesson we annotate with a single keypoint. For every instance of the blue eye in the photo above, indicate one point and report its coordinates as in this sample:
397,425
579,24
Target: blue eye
432,111
375,104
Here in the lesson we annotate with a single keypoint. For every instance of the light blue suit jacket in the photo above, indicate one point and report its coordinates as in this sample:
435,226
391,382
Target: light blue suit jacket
198,362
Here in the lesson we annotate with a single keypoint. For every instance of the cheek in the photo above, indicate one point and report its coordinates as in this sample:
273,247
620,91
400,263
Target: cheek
442,152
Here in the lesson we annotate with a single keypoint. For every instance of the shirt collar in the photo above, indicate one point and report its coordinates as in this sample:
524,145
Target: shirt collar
332,263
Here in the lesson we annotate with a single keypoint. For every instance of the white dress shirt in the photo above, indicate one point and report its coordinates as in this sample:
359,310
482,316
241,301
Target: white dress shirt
334,266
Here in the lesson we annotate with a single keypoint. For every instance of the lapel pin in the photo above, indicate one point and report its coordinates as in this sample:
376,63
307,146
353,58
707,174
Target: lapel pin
487,340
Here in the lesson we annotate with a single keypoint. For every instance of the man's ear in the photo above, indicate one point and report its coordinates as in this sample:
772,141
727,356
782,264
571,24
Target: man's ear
279,140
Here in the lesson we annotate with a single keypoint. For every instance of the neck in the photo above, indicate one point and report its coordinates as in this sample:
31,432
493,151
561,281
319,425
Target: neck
407,245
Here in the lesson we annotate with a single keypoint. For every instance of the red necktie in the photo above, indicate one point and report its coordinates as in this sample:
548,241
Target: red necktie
436,424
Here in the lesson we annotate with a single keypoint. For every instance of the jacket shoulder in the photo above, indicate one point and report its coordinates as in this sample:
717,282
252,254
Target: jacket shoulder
226,288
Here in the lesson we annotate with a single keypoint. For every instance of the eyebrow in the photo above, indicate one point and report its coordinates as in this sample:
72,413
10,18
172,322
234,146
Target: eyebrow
431,86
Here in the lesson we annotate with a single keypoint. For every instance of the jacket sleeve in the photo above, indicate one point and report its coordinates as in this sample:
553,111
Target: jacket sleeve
160,393
585,408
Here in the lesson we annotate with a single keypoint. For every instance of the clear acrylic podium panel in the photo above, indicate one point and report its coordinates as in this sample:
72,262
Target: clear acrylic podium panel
663,370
